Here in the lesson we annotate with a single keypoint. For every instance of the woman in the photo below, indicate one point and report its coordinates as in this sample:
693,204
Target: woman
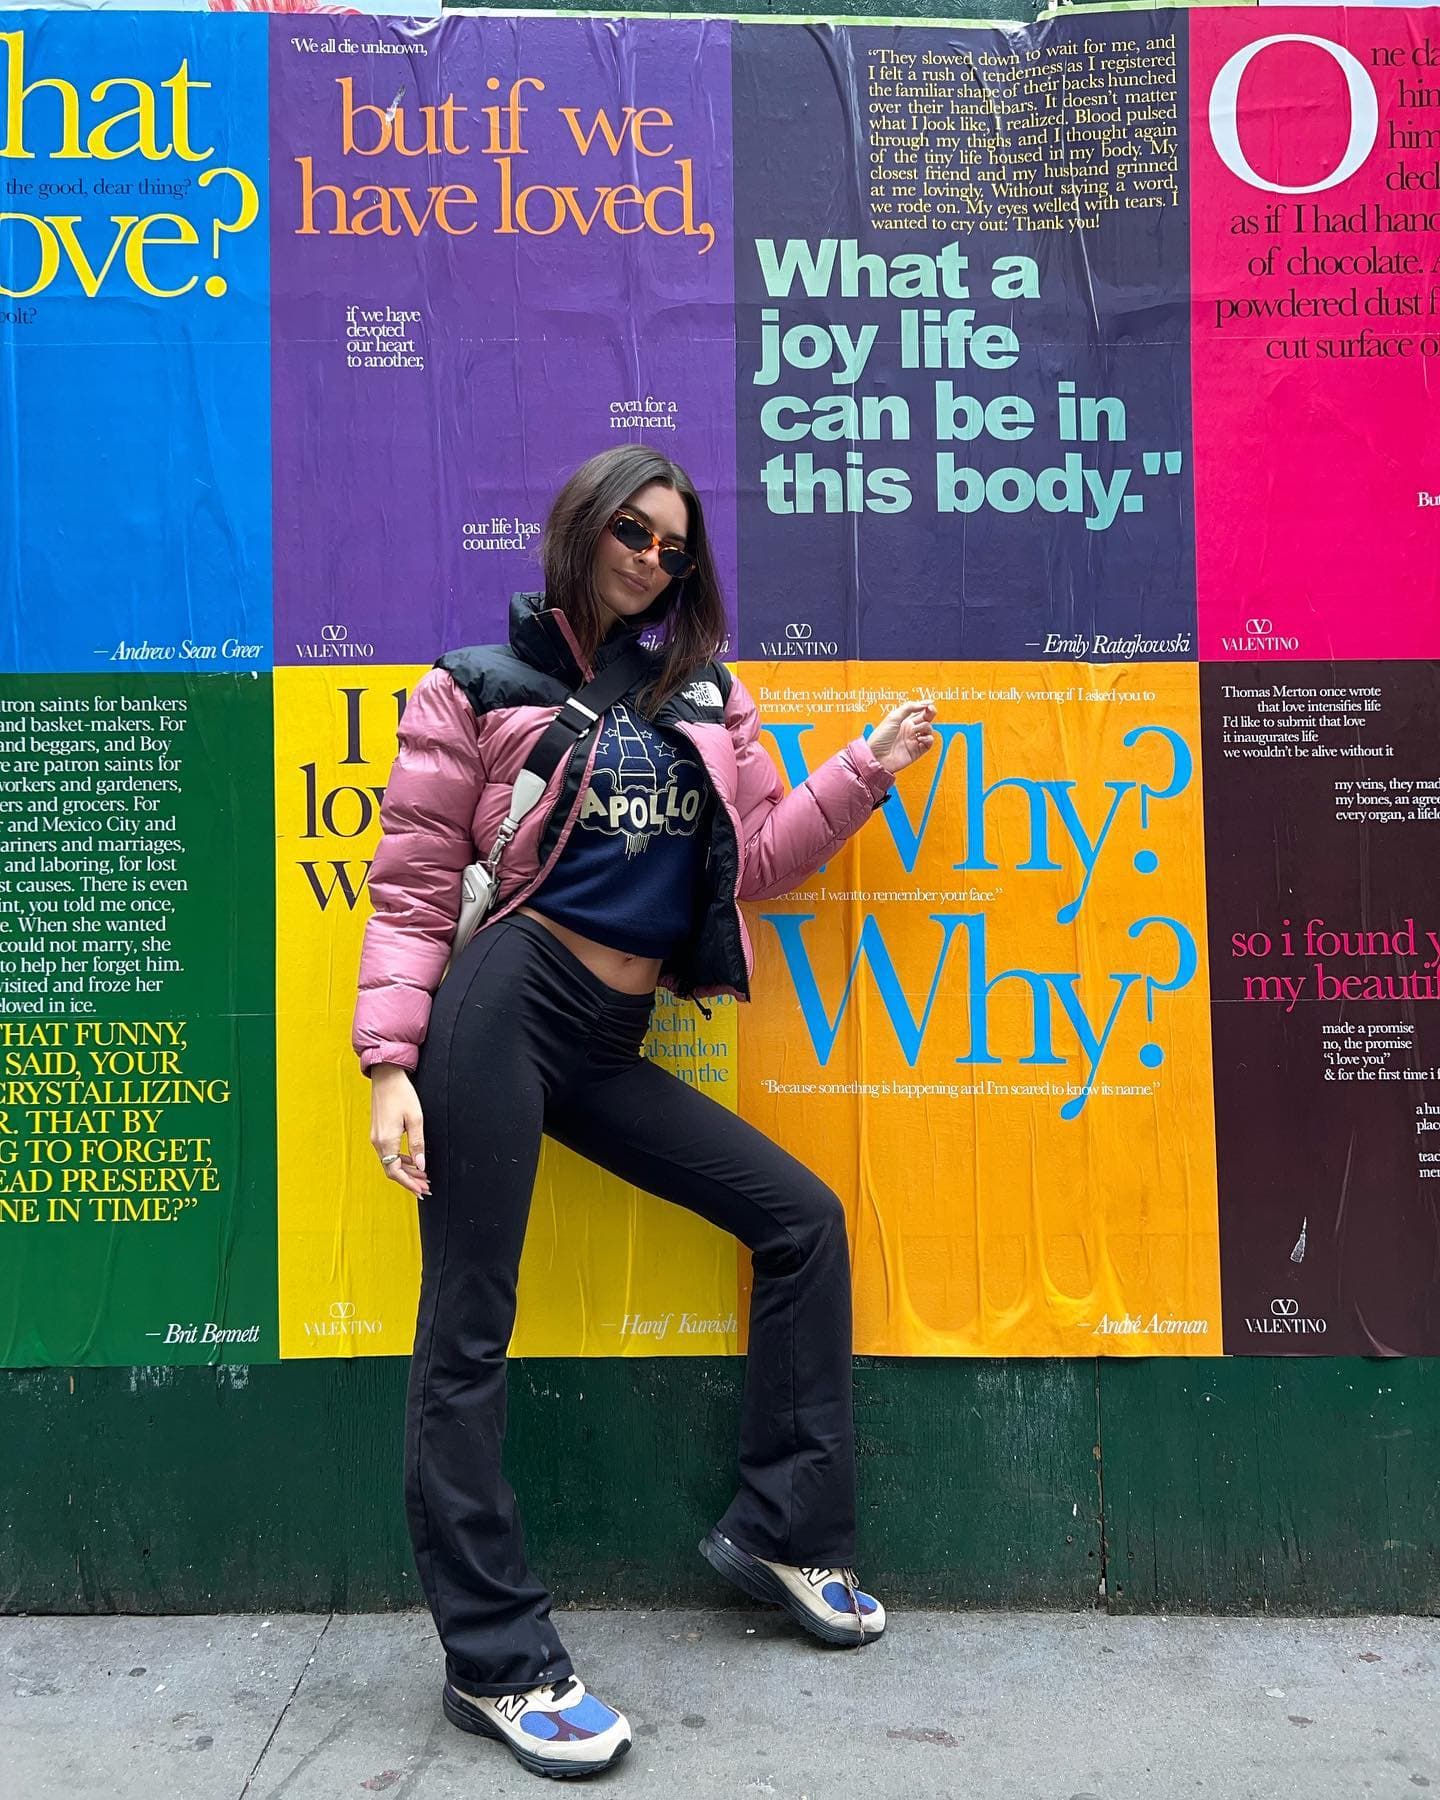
623,878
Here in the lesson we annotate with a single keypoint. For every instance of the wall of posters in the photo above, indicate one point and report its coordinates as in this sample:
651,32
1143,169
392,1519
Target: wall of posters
1077,374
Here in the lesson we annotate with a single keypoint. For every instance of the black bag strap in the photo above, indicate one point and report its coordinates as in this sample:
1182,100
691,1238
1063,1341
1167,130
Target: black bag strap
581,712
579,716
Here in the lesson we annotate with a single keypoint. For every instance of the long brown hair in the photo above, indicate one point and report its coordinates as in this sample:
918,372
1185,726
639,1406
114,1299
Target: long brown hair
689,613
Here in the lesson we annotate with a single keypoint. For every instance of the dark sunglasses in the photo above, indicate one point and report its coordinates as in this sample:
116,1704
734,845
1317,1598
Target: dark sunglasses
636,535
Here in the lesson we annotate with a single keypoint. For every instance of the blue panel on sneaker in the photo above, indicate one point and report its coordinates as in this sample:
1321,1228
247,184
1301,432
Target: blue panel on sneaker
590,1715
824,1601
543,1732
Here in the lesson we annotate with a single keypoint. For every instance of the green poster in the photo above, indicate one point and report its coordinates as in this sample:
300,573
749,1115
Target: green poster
137,1086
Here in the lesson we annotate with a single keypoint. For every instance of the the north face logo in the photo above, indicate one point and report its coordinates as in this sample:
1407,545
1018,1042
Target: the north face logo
704,693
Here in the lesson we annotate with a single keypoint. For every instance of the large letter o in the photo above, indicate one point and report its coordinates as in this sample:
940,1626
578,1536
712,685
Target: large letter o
1225,132
49,246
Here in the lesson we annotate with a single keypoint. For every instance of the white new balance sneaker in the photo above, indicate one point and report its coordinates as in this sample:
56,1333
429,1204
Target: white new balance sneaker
559,1730
825,1601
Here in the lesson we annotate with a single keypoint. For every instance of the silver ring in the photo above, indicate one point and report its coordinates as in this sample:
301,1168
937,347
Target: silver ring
385,1161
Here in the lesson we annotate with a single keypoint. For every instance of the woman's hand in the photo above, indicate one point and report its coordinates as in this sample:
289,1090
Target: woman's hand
395,1113
903,735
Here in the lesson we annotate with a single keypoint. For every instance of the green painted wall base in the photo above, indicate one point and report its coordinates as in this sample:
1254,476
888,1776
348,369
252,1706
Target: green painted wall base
1234,1485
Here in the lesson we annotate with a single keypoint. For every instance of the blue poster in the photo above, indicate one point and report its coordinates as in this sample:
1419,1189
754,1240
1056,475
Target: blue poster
135,343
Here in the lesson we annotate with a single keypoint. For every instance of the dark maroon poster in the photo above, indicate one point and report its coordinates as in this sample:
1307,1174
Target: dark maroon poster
1322,799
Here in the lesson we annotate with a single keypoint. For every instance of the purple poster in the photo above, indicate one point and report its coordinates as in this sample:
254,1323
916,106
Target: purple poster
486,267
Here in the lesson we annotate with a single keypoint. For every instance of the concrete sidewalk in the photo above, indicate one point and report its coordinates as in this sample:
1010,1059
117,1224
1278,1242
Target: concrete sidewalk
964,1706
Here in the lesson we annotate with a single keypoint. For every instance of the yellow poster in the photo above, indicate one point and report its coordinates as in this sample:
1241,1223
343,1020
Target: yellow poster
607,1271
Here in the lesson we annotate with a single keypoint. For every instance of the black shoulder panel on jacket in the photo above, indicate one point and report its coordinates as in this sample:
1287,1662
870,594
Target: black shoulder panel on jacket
493,676
702,698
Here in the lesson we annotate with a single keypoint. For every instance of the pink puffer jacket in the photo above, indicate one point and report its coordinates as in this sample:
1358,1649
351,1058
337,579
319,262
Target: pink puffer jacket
465,734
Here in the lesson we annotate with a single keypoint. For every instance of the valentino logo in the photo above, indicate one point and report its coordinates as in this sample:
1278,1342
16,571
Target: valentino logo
335,645
704,693
799,640
341,1322
1261,635
1285,1317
